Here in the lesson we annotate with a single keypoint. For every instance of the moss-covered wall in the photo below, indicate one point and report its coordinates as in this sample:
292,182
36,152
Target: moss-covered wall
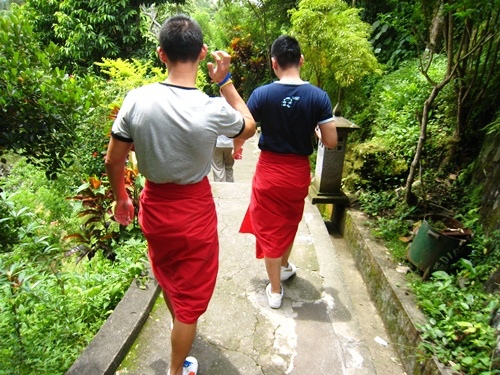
395,302
488,174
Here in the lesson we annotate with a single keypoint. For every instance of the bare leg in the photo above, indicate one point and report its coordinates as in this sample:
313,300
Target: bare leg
182,338
286,255
273,267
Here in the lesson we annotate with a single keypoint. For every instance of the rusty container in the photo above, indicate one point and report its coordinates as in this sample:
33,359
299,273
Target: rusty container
435,249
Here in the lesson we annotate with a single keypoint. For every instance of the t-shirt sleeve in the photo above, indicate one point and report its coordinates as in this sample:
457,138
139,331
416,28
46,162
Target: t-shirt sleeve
231,122
252,105
120,129
326,110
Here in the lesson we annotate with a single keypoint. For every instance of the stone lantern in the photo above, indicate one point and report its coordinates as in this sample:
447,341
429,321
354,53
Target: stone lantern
326,184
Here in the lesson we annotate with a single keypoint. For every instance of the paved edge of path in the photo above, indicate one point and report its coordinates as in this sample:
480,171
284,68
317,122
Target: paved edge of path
386,286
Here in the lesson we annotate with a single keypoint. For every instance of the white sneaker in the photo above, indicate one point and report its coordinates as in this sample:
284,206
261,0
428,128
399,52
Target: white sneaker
274,299
190,366
287,272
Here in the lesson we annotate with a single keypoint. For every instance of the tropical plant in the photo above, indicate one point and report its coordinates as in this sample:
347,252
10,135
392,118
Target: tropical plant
382,160
87,31
458,332
247,31
392,42
336,57
41,105
51,306
97,232
51,310
249,65
10,220
471,43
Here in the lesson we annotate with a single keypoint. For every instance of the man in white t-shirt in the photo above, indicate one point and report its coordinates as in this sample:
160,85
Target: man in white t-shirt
173,127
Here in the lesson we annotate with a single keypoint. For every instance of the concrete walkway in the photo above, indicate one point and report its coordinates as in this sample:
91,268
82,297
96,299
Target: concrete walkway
326,325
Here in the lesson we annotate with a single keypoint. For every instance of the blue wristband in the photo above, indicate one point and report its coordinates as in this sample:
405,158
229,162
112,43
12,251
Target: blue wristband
228,77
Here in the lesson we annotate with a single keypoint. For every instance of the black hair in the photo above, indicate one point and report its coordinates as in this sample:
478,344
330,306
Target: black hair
286,51
181,38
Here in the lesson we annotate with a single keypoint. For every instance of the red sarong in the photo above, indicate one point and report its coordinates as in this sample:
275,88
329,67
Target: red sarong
180,225
280,185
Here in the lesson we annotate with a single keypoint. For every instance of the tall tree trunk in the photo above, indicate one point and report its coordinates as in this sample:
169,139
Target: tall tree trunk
477,61
436,29
465,59
423,121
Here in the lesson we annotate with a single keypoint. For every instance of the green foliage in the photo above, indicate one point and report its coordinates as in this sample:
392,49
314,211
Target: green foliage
263,21
457,331
10,220
41,105
51,311
87,31
457,308
51,307
493,127
125,75
335,43
376,204
39,196
248,31
384,157
392,36
390,220
485,249
397,98
89,153
249,65
98,233
393,231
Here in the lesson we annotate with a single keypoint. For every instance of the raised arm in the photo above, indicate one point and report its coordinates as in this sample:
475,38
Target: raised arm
221,75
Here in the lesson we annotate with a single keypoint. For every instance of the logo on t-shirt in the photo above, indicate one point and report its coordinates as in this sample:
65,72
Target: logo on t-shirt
288,101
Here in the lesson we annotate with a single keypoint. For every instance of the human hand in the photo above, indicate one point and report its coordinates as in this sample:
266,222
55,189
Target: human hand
220,71
238,155
124,211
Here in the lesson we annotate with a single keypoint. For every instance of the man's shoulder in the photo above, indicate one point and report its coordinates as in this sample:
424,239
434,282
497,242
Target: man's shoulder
141,90
265,87
268,88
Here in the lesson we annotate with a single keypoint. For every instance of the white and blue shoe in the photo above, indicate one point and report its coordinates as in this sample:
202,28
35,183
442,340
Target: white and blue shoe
287,272
190,366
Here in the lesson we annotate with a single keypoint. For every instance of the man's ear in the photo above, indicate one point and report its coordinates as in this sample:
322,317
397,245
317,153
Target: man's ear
203,52
161,54
274,63
301,61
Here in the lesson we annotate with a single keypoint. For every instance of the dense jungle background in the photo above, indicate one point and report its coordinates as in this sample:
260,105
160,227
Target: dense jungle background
420,78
